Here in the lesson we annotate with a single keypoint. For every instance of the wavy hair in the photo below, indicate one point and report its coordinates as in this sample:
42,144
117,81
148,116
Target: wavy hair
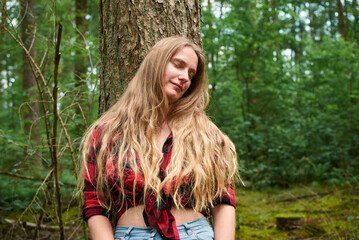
202,156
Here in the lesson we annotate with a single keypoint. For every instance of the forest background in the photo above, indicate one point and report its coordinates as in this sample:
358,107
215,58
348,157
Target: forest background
284,84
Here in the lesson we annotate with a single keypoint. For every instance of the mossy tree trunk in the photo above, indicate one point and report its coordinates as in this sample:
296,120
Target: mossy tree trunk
128,29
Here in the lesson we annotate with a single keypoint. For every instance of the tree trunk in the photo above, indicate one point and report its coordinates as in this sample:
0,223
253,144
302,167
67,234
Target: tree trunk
31,110
3,20
212,53
274,14
80,58
128,29
312,23
355,30
353,151
342,27
292,43
331,17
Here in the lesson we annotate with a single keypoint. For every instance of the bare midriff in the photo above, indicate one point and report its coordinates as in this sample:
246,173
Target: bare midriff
133,216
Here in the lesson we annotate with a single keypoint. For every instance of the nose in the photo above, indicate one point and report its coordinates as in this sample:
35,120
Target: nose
184,76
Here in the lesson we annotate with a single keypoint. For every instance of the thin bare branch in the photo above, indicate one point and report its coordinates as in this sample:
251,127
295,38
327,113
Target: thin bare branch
31,178
37,192
37,70
55,160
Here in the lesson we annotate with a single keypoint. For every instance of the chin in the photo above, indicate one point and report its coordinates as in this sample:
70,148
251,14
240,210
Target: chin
173,98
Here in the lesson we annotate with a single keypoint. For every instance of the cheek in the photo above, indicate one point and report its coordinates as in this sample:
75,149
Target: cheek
165,74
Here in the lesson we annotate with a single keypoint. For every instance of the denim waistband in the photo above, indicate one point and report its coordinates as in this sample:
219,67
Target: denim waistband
196,223
197,226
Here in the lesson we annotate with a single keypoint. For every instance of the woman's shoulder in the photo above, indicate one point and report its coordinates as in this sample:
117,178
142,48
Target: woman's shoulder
97,131
101,125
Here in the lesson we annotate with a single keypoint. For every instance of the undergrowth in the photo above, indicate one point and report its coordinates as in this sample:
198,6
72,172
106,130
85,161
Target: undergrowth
325,213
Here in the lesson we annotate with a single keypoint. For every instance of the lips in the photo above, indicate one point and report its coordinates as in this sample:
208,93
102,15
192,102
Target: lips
177,85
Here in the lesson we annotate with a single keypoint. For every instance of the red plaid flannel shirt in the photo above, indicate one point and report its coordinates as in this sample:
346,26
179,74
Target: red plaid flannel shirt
158,215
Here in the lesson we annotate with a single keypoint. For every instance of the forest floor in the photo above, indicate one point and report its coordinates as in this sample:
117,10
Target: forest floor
302,212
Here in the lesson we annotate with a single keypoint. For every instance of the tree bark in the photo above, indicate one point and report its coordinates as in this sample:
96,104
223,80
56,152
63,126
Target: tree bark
31,111
128,29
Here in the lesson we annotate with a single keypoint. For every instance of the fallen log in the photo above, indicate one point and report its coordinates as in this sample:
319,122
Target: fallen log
33,225
289,223
292,199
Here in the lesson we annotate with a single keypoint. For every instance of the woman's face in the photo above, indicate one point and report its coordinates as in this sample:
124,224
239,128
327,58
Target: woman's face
179,72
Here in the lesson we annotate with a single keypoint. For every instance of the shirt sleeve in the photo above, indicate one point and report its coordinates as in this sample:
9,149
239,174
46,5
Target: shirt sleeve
228,198
91,204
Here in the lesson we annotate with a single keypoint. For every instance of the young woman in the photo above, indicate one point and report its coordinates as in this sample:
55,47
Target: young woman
156,160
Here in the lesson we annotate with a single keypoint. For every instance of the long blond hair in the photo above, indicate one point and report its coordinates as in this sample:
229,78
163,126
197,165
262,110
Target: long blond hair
202,156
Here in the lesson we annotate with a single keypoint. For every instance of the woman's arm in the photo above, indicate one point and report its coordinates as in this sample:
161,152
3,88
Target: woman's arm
100,228
224,219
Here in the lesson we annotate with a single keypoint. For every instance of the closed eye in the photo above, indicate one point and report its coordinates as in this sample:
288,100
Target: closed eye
181,64
178,64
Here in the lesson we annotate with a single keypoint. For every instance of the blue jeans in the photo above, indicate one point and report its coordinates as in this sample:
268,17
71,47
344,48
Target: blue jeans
198,229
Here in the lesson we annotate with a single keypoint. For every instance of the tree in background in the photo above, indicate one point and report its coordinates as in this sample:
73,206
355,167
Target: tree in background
80,65
2,38
39,193
31,109
127,31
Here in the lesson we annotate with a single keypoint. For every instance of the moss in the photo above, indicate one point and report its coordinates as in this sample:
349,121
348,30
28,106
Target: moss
328,212
289,215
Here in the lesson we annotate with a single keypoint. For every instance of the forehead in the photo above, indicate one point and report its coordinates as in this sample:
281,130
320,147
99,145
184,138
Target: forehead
188,56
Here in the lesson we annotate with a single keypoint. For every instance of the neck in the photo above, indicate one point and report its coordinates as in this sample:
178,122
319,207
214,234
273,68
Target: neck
166,112
163,133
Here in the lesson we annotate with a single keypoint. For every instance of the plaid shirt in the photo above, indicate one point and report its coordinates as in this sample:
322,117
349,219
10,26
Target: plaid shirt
154,214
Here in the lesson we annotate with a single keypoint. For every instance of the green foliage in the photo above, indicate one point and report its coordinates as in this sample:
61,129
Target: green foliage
285,89
21,159
283,83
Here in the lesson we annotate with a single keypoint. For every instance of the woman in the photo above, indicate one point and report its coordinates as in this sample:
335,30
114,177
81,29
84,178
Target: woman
155,158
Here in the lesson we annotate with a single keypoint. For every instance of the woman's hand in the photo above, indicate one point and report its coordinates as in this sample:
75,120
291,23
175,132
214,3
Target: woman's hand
100,228
224,219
